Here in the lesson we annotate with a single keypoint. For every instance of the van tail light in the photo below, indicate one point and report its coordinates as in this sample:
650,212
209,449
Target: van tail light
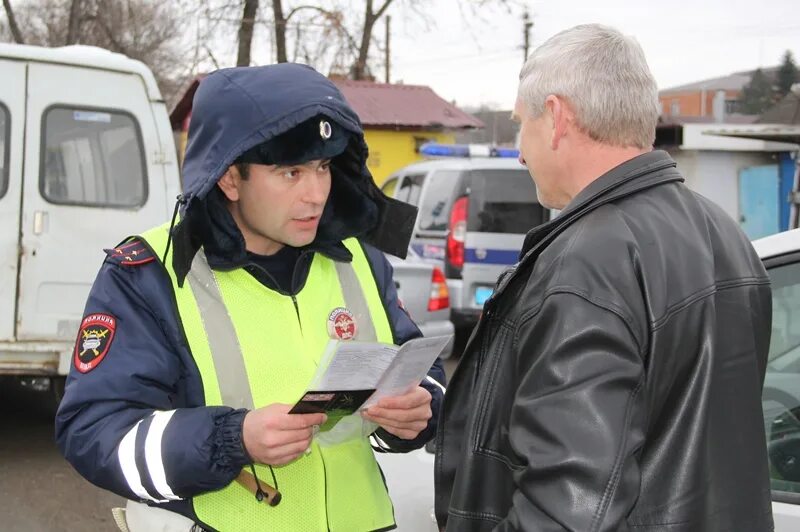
457,233
440,296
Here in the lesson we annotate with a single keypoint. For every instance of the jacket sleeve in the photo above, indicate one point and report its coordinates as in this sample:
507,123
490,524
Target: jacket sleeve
577,418
124,424
404,329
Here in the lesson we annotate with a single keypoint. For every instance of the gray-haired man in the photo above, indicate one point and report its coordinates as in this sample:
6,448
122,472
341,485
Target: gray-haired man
614,380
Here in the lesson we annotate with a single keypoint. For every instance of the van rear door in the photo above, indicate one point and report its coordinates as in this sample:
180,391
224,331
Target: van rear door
502,208
92,176
12,125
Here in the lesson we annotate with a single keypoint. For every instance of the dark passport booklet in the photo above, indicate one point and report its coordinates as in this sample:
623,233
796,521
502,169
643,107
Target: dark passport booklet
336,404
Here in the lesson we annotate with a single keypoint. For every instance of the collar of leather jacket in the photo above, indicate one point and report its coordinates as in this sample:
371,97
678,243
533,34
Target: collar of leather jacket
631,177
645,171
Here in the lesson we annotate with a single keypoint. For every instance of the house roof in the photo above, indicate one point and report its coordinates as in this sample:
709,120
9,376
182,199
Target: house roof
731,82
499,129
376,104
765,132
403,106
730,118
786,111
184,106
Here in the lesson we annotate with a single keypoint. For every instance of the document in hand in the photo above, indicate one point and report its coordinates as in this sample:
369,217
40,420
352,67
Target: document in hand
353,375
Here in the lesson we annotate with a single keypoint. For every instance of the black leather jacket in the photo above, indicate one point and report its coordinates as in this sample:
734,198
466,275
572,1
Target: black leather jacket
614,380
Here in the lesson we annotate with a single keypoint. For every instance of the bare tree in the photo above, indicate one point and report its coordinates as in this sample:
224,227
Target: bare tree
12,23
246,31
325,33
371,16
280,30
140,29
74,24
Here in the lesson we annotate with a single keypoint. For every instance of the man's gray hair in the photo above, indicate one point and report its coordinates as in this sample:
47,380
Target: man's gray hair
604,75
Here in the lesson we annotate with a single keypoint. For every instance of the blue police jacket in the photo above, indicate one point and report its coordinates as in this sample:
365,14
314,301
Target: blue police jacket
141,362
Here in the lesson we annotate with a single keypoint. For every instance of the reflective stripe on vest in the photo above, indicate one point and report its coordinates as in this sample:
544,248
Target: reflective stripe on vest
253,347
234,387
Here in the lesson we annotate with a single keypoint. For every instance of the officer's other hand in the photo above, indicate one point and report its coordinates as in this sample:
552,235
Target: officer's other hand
405,415
274,436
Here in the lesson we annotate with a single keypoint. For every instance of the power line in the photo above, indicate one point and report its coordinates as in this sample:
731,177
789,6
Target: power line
480,56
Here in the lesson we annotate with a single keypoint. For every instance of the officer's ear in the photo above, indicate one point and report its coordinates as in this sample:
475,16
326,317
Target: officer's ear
229,183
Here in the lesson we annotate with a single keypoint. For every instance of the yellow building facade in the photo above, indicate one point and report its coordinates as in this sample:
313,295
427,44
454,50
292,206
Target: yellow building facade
390,151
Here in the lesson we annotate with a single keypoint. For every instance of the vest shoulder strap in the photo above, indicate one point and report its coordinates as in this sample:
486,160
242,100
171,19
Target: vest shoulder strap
132,252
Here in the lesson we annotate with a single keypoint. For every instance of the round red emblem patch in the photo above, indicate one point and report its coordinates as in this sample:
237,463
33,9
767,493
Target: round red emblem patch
94,339
342,324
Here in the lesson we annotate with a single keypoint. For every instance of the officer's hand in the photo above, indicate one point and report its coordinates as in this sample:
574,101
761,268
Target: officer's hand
273,436
405,416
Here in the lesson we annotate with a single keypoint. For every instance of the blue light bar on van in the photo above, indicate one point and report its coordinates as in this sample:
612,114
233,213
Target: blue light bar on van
433,149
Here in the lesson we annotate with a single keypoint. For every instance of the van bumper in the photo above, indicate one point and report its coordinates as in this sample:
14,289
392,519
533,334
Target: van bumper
34,358
464,318
439,328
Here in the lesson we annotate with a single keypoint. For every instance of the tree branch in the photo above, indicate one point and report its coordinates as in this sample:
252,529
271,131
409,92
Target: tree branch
280,30
74,24
246,32
383,9
321,10
12,23
211,56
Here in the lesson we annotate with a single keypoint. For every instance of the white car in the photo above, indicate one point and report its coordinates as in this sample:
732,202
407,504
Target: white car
781,396
423,293
410,477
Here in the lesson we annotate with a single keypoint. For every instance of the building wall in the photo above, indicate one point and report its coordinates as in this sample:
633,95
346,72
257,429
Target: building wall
690,103
788,166
391,150
715,174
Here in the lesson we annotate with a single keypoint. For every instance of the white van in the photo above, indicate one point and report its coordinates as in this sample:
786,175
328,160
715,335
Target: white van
474,213
86,157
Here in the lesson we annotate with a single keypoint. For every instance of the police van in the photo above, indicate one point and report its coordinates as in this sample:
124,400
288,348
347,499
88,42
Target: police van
475,206
86,157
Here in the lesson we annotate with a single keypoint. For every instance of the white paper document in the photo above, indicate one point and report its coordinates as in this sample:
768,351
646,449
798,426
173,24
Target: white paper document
355,375
409,367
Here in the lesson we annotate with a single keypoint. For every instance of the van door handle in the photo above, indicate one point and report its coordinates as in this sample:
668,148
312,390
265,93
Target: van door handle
39,222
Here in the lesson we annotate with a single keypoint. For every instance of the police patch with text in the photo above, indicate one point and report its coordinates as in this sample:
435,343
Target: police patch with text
94,340
342,324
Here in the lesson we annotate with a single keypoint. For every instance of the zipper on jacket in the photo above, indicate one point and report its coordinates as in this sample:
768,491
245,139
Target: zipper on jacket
297,311
279,291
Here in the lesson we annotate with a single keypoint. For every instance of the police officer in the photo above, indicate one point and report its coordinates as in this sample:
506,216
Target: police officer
199,335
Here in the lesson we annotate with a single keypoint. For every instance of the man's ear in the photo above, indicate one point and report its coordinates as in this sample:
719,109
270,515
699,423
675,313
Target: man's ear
559,114
229,183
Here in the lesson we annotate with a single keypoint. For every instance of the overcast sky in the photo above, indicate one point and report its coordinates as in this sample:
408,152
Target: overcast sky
476,60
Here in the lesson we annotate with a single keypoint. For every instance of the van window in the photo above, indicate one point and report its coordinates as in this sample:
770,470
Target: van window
410,188
781,392
434,212
93,158
5,133
503,201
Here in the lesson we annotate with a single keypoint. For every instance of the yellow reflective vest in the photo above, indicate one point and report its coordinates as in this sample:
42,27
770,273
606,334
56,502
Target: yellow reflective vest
254,347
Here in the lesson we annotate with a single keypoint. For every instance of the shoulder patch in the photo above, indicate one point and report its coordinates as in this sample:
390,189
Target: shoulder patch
94,340
131,253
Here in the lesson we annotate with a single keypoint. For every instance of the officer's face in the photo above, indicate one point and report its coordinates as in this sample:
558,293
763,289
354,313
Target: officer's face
277,205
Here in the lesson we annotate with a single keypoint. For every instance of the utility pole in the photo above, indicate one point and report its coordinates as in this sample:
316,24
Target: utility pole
526,29
388,54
